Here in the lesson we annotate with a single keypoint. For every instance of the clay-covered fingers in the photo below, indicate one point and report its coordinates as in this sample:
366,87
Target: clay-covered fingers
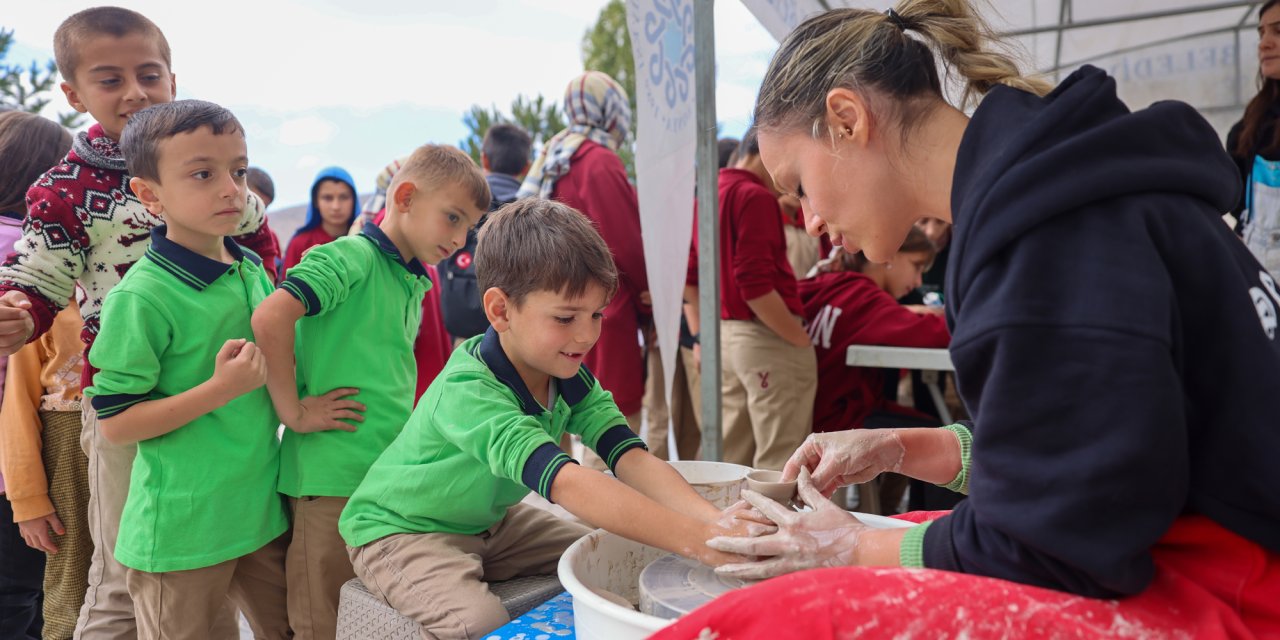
808,456
772,511
771,545
810,494
762,570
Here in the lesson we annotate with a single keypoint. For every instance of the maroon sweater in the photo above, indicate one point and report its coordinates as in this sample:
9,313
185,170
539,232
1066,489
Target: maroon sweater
597,186
843,309
753,249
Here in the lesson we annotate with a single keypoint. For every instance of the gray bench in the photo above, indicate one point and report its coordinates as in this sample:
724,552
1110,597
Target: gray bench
364,616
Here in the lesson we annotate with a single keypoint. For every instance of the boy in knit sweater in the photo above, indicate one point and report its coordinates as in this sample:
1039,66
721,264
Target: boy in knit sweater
86,227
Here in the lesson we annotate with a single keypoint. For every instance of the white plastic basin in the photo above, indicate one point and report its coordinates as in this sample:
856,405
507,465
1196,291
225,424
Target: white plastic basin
602,560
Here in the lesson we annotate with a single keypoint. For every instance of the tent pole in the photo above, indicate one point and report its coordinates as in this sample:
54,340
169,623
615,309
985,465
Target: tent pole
1168,13
708,166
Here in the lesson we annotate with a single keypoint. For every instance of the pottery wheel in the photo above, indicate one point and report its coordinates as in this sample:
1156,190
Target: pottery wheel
672,586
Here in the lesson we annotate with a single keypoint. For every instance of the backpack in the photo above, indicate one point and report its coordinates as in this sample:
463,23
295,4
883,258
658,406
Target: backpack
460,302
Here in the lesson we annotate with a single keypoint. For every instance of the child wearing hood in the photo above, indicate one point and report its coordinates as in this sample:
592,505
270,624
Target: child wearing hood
332,209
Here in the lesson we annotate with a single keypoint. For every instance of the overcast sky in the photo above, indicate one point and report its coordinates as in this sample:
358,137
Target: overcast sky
358,84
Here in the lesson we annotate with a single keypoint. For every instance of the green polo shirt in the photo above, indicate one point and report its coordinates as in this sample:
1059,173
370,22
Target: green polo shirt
476,445
205,492
364,308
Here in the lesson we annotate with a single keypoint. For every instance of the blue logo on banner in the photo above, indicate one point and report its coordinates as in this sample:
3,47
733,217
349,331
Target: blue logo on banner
668,32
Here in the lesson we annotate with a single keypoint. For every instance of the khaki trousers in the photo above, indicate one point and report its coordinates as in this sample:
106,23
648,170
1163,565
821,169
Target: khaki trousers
682,415
802,250
768,386
316,566
438,579
182,605
108,611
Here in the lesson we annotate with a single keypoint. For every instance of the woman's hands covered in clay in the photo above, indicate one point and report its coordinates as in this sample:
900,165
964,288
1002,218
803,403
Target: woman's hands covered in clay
842,458
827,536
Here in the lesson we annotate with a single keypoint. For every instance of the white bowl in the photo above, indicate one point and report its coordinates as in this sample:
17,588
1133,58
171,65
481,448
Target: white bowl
719,482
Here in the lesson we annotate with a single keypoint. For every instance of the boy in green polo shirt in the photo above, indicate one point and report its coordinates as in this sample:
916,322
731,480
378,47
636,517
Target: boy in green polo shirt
356,306
440,509
180,376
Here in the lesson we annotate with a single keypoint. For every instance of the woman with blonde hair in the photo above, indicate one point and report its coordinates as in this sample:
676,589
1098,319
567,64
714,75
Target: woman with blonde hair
1114,342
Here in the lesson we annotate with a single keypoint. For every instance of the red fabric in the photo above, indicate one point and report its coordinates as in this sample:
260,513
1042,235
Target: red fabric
848,308
264,243
302,241
825,246
1209,583
753,248
597,185
432,347
795,220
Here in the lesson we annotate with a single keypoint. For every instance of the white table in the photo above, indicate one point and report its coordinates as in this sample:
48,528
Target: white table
927,361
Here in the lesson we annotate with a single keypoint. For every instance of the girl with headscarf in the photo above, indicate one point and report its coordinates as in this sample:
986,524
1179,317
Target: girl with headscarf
333,207
580,167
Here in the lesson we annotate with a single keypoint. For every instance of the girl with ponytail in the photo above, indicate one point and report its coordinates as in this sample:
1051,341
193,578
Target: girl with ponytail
1114,343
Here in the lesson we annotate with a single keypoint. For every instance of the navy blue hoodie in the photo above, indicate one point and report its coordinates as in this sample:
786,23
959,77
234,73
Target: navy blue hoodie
1114,341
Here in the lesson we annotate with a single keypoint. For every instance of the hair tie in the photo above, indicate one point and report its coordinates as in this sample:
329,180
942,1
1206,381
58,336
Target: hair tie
897,20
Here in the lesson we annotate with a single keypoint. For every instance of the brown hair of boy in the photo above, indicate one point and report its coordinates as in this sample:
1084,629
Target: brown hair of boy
30,145
916,242
432,166
140,142
535,245
101,21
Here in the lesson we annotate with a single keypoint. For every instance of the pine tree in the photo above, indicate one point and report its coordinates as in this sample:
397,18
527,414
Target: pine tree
29,88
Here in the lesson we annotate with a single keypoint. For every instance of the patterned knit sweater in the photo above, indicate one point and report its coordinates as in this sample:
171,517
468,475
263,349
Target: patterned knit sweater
85,228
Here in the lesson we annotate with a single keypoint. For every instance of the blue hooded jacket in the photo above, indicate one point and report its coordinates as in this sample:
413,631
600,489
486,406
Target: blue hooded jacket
330,173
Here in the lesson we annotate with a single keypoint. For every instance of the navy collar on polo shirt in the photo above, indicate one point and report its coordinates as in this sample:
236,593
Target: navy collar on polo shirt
491,353
191,268
379,237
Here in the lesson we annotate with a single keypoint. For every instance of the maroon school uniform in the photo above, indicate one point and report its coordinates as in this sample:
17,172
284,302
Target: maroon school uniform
302,241
843,309
753,250
597,185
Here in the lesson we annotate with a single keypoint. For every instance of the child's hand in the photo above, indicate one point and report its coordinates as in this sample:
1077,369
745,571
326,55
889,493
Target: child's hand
36,532
713,558
326,412
16,324
742,520
239,368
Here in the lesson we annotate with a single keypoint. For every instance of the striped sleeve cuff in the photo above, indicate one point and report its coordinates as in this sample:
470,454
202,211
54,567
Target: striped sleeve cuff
107,406
911,551
961,482
541,468
615,442
303,292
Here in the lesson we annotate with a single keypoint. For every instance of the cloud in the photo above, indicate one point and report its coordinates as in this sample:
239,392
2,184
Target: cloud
305,131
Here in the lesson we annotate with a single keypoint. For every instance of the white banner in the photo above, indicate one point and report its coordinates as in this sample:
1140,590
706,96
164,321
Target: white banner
779,17
666,142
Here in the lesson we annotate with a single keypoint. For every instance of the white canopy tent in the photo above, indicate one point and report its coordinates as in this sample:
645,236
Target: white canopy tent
1198,51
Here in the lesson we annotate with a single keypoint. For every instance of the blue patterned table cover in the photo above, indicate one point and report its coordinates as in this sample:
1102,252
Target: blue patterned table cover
551,620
